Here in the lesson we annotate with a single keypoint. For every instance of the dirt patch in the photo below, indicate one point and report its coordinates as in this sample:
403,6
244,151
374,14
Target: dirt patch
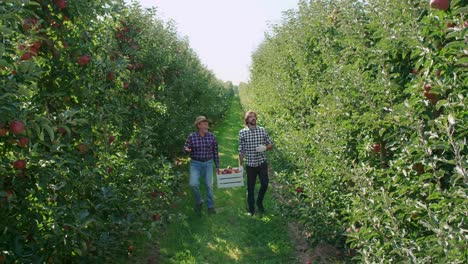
303,254
322,253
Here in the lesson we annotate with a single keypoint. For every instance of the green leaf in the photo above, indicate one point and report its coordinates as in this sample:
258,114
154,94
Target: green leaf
6,31
434,195
5,95
50,131
455,44
461,10
4,63
40,135
462,60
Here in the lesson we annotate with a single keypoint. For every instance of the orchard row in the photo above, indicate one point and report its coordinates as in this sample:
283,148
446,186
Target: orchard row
96,98
366,101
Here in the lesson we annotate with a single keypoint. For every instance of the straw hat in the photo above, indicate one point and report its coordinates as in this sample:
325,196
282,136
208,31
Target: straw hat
200,119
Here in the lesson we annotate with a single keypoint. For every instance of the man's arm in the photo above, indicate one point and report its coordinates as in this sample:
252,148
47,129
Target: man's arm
241,150
188,145
241,159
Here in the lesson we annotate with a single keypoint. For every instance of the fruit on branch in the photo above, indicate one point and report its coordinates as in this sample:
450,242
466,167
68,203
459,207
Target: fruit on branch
440,4
20,164
17,127
376,148
83,60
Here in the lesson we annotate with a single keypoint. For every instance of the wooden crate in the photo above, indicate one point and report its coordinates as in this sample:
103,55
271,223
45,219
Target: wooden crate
230,180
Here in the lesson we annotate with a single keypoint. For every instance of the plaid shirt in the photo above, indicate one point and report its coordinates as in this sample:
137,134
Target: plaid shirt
249,139
203,148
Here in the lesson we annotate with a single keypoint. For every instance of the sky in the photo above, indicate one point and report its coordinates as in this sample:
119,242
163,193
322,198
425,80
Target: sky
223,33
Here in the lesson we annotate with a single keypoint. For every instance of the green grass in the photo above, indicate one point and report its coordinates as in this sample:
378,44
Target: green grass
230,235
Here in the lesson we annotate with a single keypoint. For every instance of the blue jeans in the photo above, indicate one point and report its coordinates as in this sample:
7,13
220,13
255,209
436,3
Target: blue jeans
198,168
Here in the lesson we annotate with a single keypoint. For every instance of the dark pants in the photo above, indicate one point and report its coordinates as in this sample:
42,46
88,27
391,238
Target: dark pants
252,172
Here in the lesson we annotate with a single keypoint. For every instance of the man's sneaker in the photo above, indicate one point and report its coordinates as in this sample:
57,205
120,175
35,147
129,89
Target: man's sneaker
211,210
251,212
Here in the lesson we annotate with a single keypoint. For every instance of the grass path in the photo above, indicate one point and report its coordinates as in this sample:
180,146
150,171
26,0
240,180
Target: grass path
230,235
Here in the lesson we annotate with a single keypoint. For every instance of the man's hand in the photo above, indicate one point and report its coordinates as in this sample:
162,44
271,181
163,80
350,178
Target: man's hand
187,149
261,148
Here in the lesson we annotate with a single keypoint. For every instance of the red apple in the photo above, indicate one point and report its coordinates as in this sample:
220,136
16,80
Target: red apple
35,47
427,87
156,217
19,164
431,96
125,86
62,131
3,132
83,148
83,60
29,23
440,4
299,189
111,139
26,56
23,142
376,147
110,76
61,4
17,127
131,248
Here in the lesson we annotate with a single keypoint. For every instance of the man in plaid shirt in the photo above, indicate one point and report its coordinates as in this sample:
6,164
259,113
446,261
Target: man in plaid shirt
253,142
203,149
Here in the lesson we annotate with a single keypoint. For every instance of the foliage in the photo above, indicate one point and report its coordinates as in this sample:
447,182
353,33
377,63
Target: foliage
107,94
366,102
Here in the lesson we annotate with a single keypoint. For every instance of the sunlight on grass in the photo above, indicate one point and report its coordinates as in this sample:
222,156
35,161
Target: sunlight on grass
223,247
274,247
266,219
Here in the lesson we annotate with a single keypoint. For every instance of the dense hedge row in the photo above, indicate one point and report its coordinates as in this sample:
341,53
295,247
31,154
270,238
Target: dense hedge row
96,98
366,102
